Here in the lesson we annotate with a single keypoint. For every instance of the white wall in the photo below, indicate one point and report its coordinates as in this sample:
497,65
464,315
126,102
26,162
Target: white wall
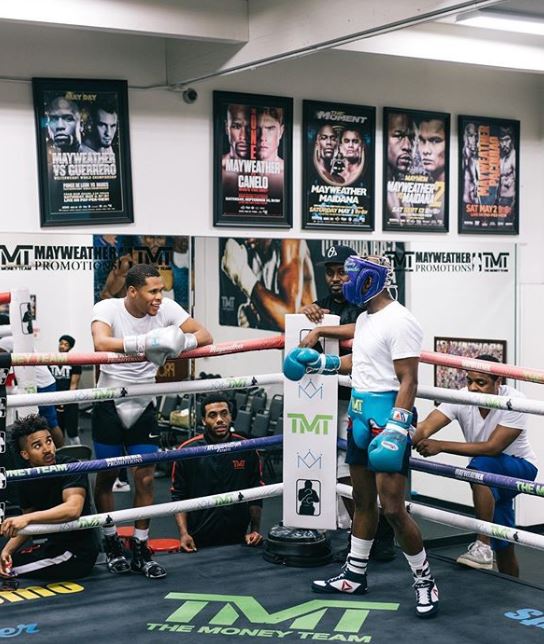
172,148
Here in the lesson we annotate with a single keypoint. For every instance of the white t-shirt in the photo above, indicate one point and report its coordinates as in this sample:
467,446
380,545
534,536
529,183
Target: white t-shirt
392,333
477,429
114,313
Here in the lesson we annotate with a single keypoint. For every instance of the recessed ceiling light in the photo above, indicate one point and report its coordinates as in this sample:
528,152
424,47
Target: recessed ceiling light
503,21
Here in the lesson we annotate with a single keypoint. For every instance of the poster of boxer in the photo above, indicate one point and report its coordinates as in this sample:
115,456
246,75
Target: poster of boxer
83,151
252,160
415,170
488,175
260,280
338,166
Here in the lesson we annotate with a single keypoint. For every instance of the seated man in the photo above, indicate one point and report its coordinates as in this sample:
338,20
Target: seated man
496,442
214,474
63,555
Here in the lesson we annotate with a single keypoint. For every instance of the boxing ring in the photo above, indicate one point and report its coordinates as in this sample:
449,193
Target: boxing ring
231,594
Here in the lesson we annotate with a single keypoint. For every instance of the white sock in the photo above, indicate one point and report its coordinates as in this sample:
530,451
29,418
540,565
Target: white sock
109,531
141,535
358,555
419,565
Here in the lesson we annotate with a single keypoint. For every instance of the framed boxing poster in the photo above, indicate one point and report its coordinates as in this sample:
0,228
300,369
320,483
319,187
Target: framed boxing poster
451,378
83,145
338,166
252,160
488,175
416,147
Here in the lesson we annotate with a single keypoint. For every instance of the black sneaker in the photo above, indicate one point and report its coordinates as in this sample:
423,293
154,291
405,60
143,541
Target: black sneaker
346,582
426,597
115,555
142,562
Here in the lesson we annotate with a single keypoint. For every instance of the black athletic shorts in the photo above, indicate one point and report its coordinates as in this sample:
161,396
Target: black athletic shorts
109,430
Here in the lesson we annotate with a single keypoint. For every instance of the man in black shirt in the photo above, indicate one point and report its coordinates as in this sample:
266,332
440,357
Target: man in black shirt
214,474
67,377
336,304
63,555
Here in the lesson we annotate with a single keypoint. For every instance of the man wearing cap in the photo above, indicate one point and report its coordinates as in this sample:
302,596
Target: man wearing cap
335,303
67,378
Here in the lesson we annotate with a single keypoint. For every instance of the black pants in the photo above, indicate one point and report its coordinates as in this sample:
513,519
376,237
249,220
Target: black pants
53,561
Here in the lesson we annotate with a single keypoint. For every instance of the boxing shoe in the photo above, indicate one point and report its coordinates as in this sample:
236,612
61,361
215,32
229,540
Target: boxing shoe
346,582
426,597
142,561
115,555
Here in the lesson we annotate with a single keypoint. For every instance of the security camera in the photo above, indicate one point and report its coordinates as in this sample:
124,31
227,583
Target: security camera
190,95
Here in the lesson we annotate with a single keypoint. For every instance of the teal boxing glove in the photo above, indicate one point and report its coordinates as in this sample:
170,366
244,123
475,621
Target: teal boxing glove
387,451
298,362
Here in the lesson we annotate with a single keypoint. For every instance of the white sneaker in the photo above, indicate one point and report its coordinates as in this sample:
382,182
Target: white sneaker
121,486
479,555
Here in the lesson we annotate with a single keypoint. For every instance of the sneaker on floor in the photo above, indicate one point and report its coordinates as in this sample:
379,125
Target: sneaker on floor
143,563
426,597
115,555
478,555
346,582
121,486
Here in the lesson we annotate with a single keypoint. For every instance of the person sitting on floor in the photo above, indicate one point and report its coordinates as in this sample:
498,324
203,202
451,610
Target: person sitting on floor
63,555
214,474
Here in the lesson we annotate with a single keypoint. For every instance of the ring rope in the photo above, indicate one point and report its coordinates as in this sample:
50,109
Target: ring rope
521,537
273,342
159,510
65,469
5,298
132,391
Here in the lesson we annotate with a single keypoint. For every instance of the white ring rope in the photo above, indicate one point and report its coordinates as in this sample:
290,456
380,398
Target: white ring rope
133,391
159,510
521,537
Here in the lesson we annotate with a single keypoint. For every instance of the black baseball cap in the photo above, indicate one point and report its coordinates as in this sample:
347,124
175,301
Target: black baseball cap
337,254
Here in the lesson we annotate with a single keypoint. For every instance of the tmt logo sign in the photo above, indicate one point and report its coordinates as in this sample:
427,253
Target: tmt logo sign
301,424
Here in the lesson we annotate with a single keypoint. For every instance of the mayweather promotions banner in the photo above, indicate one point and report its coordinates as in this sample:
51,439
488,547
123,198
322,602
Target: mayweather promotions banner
338,166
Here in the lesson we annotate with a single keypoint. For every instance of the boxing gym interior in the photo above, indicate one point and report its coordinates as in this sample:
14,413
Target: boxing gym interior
242,148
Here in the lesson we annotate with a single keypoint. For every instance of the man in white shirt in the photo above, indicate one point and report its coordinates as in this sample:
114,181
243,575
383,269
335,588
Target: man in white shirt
140,323
496,442
384,368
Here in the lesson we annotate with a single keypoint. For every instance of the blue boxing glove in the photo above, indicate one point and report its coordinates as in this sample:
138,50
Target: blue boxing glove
386,452
298,362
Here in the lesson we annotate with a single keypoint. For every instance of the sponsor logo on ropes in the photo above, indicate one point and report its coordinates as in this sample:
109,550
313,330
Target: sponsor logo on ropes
319,425
527,617
450,262
241,616
14,631
38,592
530,488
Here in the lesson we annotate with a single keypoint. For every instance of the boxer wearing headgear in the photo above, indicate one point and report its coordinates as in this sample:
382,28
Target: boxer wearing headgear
383,365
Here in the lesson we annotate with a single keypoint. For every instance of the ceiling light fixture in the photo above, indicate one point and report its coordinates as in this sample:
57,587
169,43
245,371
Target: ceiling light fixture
503,21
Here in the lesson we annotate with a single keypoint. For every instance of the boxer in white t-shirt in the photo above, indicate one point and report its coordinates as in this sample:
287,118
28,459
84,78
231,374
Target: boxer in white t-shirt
143,322
496,442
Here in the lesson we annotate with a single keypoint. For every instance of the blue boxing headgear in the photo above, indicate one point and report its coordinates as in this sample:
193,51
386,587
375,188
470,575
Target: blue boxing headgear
358,270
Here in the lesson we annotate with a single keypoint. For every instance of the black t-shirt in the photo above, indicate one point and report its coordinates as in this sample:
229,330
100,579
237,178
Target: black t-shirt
63,374
44,494
213,474
348,315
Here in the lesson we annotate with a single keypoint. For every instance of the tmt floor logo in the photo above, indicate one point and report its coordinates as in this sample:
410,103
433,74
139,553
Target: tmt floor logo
242,616
411,261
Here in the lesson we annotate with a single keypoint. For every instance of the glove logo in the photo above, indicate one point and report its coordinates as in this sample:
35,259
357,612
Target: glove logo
391,446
